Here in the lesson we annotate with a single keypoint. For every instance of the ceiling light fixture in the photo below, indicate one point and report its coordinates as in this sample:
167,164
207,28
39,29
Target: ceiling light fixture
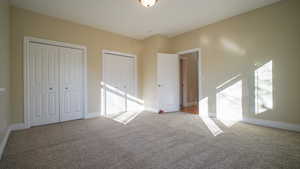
148,3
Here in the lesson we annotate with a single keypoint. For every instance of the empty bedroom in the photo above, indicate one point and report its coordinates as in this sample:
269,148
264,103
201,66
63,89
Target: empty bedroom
149,84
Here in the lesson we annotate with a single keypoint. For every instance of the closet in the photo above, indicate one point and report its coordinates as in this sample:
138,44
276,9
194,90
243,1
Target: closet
120,83
55,83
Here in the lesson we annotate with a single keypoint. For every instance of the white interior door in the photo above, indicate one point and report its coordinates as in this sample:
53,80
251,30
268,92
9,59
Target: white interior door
168,82
44,84
71,84
119,83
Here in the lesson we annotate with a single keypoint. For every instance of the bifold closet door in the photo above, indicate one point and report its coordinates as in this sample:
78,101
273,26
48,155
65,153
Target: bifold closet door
44,84
71,84
55,84
119,84
129,84
113,80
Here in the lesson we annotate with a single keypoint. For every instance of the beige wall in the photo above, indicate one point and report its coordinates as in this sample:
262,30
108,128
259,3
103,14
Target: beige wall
26,23
239,45
4,64
236,46
152,46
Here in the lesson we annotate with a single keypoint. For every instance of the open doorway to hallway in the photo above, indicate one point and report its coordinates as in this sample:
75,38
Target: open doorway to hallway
189,87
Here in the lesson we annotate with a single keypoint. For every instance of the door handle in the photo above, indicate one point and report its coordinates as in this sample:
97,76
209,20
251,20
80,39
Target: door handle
50,88
66,88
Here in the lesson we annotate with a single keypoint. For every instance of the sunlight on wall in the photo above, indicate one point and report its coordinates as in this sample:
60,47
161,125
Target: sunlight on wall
226,83
203,107
232,46
229,104
204,115
212,126
102,104
264,88
134,103
118,105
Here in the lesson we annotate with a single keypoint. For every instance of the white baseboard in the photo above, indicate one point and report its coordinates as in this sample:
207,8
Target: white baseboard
8,130
273,124
212,115
3,142
92,115
153,110
18,126
150,109
208,116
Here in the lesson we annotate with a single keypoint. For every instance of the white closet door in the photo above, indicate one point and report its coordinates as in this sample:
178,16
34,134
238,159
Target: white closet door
128,76
132,102
115,93
71,84
44,84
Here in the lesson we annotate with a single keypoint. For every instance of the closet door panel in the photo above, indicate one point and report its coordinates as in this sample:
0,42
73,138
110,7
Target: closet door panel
35,79
119,81
44,84
133,104
71,75
115,101
51,84
129,77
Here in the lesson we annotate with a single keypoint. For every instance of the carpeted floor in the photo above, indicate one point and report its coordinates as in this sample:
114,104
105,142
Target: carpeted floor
151,141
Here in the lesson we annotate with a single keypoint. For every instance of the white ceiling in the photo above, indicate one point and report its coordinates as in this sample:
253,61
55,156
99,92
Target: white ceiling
128,17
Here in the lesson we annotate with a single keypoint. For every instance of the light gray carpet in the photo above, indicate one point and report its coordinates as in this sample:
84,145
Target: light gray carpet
151,141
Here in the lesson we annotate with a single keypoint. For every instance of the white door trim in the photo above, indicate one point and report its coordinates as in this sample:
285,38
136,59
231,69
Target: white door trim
200,67
27,41
136,87
183,86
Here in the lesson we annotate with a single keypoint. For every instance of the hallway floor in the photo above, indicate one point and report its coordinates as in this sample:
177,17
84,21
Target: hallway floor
190,109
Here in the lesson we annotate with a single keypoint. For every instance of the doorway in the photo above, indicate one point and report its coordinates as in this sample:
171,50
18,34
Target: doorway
169,82
189,82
